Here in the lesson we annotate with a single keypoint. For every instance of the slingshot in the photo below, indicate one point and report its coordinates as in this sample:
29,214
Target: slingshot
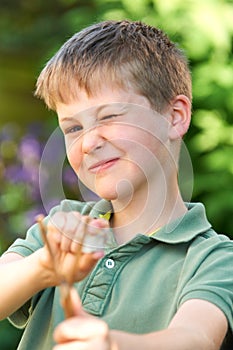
65,286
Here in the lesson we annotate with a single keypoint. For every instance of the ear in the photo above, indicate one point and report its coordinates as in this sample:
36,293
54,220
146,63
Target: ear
180,117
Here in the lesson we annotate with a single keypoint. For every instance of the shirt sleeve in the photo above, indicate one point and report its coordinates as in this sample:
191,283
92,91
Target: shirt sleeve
209,273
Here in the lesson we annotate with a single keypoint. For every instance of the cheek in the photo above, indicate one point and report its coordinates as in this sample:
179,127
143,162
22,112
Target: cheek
73,151
145,152
135,142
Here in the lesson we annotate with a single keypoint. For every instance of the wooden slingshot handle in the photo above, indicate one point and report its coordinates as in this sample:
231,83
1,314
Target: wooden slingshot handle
65,287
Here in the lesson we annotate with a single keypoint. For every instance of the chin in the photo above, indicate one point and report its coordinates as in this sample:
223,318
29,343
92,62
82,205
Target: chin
123,197
107,195
112,190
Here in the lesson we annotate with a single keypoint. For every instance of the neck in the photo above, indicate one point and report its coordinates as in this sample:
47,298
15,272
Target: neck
146,211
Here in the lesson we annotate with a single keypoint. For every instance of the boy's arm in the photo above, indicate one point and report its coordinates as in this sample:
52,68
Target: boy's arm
20,279
198,324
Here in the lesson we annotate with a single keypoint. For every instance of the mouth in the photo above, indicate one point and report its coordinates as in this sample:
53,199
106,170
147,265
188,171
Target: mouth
103,165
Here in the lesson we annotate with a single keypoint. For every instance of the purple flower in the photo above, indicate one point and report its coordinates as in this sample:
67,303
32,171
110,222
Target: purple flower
29,150
16,173
69,176
30,215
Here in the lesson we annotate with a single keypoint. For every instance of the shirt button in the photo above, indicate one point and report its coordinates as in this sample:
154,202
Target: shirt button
109,263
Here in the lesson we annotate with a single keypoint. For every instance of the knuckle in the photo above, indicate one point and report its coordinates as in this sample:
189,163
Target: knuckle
58,220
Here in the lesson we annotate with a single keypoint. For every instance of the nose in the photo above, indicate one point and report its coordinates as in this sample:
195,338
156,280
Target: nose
92,140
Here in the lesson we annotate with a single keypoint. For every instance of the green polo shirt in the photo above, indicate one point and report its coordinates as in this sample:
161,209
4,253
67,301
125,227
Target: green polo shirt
138,286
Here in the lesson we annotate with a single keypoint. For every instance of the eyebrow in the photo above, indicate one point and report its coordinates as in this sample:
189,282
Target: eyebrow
67,119
97,109
72,118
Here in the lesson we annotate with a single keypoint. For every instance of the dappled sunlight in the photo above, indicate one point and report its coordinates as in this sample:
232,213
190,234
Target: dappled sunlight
32,31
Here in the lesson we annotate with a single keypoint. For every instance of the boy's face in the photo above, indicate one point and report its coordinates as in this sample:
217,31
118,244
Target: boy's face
115,142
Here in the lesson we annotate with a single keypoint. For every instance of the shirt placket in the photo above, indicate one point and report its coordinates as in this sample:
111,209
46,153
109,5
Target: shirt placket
97,292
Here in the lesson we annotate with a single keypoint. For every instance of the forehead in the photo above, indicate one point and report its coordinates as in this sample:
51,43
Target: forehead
105,96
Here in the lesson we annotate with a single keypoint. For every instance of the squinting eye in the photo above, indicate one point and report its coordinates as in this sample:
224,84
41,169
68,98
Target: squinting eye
73,129
109,117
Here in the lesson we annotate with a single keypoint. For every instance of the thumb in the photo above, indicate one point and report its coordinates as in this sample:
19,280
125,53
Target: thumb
76,303
71,301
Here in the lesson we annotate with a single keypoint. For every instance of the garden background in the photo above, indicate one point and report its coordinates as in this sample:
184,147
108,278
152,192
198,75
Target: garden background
31,31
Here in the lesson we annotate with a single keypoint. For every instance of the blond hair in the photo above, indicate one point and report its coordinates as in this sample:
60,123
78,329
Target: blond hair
119,52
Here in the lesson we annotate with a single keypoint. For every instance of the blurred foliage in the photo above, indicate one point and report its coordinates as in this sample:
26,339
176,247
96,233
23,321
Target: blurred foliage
31,31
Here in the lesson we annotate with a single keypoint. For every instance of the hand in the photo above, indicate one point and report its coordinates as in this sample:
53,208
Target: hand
82,331
76,244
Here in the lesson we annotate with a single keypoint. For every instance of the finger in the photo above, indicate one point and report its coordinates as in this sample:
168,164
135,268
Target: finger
74,232
68,346
81,328
55,227
70,301
72,226
95,344
76,303
96,235
79,235
67,225
73,269
53,238
101,223
75,345
58,221
86,263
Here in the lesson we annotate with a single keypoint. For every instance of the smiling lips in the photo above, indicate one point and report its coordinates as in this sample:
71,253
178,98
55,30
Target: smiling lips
103,165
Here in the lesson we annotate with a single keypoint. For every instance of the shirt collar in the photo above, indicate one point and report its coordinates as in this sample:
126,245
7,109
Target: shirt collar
101,209
184,229
193,223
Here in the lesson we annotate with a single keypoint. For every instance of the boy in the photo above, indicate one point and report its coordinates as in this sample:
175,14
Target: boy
122,93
